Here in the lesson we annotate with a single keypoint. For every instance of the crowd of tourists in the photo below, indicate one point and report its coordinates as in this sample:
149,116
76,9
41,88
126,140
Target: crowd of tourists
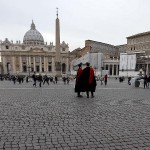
38,80
85,80
45,79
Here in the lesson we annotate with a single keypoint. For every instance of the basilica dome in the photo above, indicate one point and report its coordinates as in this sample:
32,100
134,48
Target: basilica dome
33,37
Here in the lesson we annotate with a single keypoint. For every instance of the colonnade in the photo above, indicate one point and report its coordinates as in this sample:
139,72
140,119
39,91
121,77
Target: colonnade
41,64
112,68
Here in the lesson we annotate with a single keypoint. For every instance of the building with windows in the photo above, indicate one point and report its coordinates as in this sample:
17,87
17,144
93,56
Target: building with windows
106,57
136,60
34,55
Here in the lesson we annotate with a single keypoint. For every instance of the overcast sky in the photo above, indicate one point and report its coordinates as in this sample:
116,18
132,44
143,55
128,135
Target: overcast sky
107,21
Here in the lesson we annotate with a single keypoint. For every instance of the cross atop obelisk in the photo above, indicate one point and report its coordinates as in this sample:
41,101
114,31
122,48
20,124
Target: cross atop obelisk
57,12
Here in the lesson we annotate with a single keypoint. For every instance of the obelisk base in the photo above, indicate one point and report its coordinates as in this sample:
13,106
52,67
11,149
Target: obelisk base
58,68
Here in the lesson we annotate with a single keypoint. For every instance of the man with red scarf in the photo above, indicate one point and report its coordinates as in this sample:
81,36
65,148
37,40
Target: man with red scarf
88,80
78,84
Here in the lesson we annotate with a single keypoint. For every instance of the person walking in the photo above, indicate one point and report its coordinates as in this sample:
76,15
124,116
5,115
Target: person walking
105,79
101,79
14,79
145,81
88,80
56,79
148,81
68,80
46,79
27,79
78,81
129,79
34,79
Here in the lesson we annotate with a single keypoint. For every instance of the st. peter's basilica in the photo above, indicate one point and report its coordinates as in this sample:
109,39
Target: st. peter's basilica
34,55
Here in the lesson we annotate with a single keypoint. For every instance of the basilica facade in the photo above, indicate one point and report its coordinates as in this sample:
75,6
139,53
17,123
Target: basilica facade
34,55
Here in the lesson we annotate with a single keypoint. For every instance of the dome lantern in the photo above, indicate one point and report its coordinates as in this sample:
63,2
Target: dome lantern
33,25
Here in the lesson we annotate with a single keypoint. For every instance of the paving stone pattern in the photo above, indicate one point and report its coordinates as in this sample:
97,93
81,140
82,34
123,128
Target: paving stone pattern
52,117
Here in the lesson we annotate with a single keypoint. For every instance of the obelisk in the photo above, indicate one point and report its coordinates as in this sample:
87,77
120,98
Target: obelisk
57,48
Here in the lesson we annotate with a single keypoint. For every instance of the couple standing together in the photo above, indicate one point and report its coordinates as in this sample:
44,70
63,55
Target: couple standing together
85,80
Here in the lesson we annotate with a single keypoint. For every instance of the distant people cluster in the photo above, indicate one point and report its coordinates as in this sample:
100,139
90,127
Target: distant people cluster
43,79
36,78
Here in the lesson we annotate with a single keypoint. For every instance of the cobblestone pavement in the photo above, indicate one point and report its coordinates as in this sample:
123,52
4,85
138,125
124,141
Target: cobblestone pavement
52,117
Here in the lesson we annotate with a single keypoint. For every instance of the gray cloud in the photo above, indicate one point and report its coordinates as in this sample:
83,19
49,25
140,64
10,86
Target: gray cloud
109,21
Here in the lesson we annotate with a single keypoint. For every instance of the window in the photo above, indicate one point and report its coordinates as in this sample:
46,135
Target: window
7,47
63,49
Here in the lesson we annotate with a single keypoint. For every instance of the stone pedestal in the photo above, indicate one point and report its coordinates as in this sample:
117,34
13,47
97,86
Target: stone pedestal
58,68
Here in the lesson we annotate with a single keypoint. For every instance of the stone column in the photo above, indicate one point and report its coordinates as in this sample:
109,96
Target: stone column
47,64
29,61
34,64
67,67
30,65
109,69
4,65
40,65
53,65
117,69
112,69
105,66
20,64
45,69
13,65
147,70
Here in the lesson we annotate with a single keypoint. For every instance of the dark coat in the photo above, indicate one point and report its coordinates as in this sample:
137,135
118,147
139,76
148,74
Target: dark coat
78,84
88,81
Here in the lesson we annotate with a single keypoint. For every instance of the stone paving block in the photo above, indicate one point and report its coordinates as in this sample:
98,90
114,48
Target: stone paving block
53,117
